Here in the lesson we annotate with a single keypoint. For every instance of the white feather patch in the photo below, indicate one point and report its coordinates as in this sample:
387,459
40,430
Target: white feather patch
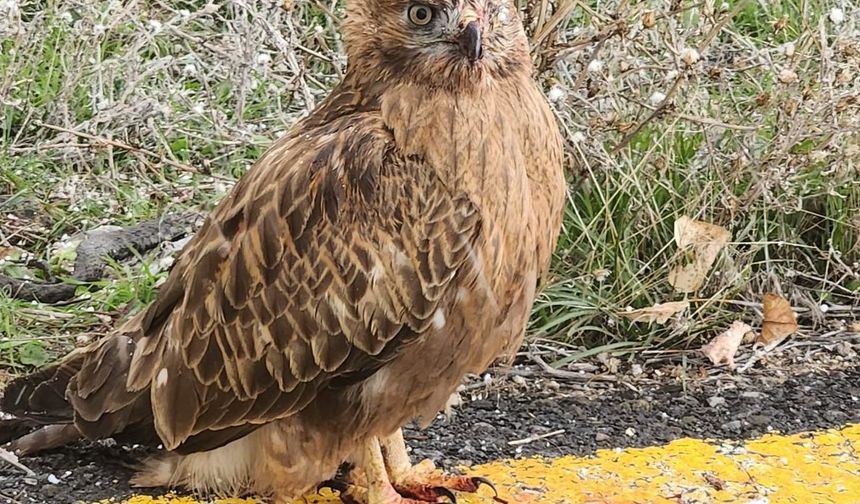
161,379
439,319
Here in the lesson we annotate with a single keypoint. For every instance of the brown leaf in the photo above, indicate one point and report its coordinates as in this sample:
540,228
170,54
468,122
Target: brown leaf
854,327
700,242
722,349
659,313
10,253
714,481
779,320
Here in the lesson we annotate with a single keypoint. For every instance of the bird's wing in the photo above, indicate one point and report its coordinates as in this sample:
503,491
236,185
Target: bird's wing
332,253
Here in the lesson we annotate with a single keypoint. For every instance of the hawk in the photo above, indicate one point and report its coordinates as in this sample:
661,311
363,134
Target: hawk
387,245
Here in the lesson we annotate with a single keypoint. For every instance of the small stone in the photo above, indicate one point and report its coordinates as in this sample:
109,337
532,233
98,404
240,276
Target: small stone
630,432
715,401
636,370
656,99
50,490
484,426
787,76
733,426
519,380
759,420
750,394
483,404
553,385
834,416
845,349
53,479
601,437
689,420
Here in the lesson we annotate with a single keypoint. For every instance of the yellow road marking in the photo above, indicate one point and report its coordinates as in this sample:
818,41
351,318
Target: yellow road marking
814,467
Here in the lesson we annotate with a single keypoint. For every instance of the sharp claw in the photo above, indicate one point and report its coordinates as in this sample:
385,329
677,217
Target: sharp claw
444,492
340,486
478,481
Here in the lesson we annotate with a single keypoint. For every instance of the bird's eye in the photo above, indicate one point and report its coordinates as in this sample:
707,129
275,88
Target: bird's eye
420,15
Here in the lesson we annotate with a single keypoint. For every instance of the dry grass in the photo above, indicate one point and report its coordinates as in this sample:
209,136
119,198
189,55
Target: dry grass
745,114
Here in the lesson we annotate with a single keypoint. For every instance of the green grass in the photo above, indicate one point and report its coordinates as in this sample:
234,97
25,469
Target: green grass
212,89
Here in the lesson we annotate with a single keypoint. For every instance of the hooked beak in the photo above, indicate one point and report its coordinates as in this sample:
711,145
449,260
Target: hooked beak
469,41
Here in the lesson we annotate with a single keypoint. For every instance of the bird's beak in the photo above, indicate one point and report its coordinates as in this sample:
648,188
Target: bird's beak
469,38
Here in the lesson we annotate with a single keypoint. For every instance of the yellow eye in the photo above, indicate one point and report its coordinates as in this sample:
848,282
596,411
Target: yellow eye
420,15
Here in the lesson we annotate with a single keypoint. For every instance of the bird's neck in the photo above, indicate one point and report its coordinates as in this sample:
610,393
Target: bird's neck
474,140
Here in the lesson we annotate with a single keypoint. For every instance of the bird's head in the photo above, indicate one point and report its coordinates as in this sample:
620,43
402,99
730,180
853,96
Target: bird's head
437,43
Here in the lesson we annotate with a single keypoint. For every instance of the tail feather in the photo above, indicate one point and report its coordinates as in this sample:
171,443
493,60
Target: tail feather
45,438
13,428
83,395
37,409
41,396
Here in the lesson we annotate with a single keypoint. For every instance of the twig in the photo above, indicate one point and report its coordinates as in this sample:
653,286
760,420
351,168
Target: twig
677,84
760,352
568,375
532,439
122,145
12,459
546,29
656,112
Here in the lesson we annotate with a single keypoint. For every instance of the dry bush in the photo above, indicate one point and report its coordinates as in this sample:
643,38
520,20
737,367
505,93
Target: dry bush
740,114
744,114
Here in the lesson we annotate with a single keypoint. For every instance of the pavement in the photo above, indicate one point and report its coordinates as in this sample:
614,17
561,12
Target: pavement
809,467
769,437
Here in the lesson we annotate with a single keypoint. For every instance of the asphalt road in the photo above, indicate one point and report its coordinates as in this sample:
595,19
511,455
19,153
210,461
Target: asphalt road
525,418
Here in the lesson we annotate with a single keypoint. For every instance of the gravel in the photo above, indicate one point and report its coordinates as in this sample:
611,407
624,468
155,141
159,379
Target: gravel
512,418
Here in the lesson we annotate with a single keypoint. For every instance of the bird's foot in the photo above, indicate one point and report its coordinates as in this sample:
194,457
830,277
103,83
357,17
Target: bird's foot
385,494
422,481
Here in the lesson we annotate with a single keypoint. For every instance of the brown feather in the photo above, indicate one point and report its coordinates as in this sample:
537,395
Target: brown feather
388,244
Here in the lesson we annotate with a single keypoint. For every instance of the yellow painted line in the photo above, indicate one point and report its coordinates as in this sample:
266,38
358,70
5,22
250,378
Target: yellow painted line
807,468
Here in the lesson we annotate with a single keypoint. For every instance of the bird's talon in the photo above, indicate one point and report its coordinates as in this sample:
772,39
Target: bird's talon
480,480
444,492
337,485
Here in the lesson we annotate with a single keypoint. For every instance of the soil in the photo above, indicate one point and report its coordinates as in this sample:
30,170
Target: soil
575,418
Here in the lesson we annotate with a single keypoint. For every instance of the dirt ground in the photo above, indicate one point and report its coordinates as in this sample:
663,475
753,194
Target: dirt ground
509,417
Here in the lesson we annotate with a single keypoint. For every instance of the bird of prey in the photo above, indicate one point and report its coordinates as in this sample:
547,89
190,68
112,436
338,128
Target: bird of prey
386,246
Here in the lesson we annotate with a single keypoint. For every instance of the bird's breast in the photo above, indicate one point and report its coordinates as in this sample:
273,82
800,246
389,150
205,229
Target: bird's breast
479,145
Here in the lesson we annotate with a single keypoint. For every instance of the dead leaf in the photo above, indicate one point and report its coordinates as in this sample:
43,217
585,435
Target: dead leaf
10,253
722,349
854,327
659,313
714,481
779,320
700,242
